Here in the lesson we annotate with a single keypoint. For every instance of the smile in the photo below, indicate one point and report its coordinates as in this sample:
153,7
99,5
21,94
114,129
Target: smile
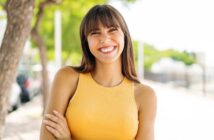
107,49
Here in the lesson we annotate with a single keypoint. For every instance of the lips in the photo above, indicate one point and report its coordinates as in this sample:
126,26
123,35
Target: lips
107,49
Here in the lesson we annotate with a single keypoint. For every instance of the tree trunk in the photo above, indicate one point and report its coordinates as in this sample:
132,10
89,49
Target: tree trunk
37,38
19,16
42,51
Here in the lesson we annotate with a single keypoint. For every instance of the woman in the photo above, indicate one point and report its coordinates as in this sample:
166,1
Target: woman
102,99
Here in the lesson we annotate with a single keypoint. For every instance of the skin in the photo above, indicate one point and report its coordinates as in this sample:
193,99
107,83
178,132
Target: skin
54,123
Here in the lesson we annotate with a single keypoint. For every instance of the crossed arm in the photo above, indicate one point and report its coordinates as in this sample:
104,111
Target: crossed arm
54,125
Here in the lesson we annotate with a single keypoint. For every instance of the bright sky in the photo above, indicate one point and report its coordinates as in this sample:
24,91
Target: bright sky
180,24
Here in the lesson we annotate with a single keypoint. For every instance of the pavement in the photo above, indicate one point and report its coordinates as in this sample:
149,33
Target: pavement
24,123
182,115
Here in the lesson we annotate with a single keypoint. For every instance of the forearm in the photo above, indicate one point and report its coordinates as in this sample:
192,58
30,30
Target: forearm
45,135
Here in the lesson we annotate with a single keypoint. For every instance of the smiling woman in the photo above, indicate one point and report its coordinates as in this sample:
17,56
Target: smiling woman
102,98
106,43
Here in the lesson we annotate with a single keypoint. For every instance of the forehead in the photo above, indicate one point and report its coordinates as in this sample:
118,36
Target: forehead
101,25
101,19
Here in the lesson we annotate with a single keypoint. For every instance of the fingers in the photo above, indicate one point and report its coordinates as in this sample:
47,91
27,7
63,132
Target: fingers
52,117
52,125
53,131
57,125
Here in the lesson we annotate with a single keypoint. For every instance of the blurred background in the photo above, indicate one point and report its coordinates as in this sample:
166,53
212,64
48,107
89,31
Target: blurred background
173,41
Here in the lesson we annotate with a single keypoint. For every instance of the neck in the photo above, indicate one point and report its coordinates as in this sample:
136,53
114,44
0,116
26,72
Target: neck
108,74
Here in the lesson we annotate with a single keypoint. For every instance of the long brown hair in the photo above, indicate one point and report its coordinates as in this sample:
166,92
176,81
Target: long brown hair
108,16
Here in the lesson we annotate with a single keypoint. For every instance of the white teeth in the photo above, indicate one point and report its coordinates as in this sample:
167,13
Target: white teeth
106,49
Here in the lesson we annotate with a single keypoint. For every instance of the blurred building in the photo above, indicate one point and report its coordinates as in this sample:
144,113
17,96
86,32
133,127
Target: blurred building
176,73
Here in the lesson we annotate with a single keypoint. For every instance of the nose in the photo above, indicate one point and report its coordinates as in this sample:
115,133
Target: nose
105,37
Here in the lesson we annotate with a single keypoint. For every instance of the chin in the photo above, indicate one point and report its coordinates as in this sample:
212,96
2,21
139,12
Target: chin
109,60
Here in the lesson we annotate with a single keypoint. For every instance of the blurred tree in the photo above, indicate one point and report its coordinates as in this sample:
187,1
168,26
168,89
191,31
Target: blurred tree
187,57
19,15
70,27
39,41
152,55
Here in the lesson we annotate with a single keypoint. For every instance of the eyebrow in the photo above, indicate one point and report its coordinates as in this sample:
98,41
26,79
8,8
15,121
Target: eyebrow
93,30
97,29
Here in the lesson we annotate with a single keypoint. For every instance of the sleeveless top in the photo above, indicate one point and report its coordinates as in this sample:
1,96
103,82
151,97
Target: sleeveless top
96,112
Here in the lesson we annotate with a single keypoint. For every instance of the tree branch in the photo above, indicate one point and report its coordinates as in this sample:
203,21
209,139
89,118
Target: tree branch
40,13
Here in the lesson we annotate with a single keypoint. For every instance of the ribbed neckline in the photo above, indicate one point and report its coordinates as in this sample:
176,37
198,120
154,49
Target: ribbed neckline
105,87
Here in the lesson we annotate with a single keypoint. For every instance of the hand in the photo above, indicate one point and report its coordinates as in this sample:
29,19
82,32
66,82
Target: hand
57,125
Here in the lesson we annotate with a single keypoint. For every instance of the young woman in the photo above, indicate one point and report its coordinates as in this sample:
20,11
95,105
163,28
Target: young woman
102,99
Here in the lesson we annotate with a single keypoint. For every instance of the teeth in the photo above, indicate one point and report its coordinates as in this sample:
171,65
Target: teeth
106,49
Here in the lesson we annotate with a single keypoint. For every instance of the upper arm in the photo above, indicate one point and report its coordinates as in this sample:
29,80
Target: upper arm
147,113
63,87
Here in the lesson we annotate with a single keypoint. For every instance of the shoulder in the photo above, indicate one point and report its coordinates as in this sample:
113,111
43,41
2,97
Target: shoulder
66,79
145,95
67,73
143,90
62,89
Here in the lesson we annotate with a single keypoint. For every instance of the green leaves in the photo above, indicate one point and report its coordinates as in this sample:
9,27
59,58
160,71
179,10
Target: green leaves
186,57
153,55
72,13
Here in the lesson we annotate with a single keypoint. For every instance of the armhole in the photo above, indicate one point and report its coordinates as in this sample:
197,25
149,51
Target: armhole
135,100
76,89
135,96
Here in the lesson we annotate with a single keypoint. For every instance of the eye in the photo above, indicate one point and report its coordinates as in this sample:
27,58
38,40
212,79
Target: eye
94,33
113,29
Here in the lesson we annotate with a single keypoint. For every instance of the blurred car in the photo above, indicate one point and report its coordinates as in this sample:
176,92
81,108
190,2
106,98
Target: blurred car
14,98
29,87
24,84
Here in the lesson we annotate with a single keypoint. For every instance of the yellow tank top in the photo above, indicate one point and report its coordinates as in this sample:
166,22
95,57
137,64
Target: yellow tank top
96,112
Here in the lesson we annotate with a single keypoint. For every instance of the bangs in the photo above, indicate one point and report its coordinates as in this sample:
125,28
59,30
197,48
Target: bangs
101,15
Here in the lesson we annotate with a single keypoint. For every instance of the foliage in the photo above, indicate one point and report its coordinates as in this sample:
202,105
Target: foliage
135,50
186,57
152,55
72,13
2,2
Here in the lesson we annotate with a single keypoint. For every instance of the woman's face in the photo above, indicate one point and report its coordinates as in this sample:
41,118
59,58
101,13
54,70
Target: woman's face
106,43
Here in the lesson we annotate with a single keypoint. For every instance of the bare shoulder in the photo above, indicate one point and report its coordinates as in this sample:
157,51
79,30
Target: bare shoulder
144,94
143,90
65,81
63,88
67,73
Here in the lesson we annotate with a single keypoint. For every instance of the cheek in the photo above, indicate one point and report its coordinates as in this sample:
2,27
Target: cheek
91,43
121,39
122,42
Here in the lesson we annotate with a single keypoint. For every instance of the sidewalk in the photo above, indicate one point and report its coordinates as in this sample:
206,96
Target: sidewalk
24,123
182,115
